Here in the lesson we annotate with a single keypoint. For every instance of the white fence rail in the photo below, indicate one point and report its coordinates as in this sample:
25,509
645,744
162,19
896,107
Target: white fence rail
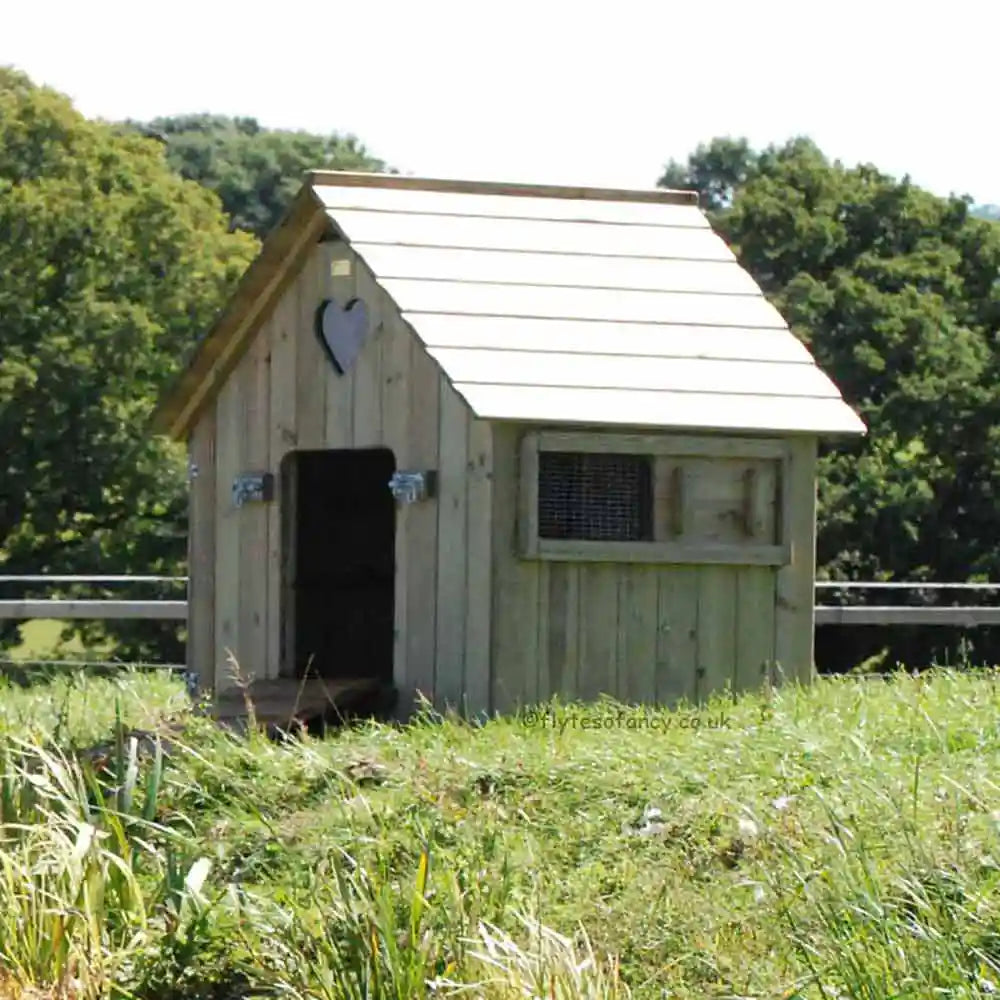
24,609
94,610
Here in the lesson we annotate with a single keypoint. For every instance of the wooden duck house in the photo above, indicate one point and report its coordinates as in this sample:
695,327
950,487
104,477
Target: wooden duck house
493,442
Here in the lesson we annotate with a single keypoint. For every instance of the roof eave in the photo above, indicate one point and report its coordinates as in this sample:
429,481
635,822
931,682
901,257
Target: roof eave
852,429
217,352
339,178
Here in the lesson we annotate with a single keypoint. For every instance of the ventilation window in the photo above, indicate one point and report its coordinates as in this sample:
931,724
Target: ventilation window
595,496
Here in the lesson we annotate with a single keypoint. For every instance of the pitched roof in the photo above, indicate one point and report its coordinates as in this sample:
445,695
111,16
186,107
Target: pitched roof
565,305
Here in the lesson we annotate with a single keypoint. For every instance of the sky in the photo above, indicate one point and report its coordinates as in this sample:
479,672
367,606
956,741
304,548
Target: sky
585,93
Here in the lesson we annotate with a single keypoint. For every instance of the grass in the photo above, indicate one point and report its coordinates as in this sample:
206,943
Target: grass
41,639
836,841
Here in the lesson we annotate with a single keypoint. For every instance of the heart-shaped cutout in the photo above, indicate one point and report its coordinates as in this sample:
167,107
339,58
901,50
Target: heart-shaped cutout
342,331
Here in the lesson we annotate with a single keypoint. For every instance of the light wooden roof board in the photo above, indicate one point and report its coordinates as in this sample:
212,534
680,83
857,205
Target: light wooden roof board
563,309
547,304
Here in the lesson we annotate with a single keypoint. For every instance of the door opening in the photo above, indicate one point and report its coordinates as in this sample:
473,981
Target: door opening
339,521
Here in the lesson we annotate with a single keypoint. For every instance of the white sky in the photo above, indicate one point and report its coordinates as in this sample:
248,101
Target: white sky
572,93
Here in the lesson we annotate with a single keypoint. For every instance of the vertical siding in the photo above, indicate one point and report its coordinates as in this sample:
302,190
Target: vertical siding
282,333
754,626
598,620
395,422
479,540
475,625
254,375
366,379
229,429
313,372
515,586
793,621
335,276
638,621
285,395
641,633
677,636
452,547
421,525
562,628
717,639
201,551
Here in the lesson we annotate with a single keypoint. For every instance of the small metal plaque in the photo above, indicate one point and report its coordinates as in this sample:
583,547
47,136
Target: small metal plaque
411,487
253,487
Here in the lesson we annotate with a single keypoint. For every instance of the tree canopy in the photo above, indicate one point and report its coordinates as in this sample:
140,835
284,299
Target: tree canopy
254,170
896,292
111,265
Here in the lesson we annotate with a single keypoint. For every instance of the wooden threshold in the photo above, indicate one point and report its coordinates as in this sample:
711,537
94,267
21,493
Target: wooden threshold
284,702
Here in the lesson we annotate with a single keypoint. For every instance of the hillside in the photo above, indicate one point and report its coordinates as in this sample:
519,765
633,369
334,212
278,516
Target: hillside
838,841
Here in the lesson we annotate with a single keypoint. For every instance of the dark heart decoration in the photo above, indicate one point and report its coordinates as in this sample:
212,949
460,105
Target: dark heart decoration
342,331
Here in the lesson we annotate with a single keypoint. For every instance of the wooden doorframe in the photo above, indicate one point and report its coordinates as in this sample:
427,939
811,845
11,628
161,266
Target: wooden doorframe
288,481
288,497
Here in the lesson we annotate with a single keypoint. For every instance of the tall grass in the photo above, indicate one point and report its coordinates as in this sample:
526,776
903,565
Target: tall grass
101,897
838,841
87,875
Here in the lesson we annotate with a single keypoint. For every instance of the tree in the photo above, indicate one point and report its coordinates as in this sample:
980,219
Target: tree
895,292
111,265
716,170
255,171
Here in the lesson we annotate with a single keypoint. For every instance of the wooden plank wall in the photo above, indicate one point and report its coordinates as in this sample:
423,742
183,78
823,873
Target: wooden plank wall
640,632
284,395
201,545
474,625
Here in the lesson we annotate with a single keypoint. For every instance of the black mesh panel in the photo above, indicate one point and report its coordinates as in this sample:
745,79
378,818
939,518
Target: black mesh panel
594,497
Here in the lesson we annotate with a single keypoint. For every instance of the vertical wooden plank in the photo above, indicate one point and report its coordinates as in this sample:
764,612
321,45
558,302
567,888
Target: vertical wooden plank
793,639
367,372
395,434
677,642
479,528
527,495
638,612
754,626
452,555
254,375
201,551
421,531
668,498
515,584
562,607
312,367
229,429
540,688
716,629
339,280
284,330
598,629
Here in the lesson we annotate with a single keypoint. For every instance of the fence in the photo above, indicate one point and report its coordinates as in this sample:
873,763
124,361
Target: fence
24,610
825,614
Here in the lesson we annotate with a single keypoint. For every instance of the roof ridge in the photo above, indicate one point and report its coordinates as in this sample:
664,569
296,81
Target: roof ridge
347,178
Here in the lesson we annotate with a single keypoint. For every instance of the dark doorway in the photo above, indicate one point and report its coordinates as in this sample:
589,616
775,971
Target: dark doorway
339,574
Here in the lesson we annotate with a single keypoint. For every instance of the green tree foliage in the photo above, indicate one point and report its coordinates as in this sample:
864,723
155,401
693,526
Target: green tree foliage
111,265
896,292
255,171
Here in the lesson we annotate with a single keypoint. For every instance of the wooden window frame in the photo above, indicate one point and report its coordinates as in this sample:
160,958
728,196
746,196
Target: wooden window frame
660,448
